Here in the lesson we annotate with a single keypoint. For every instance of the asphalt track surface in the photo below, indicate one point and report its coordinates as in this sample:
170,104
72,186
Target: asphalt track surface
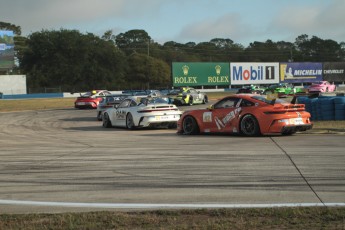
64,160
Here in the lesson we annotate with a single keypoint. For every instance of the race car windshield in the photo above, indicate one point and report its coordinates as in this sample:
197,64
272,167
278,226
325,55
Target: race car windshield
146,101
156,100
317,83
87,94
263,99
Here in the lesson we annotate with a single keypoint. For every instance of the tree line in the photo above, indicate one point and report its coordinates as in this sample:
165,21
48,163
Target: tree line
73,61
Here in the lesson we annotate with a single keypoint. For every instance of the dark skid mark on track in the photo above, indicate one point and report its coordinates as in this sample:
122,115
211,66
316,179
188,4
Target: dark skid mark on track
299,171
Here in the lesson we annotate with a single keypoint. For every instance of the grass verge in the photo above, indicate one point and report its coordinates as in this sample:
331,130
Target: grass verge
275,218
36,104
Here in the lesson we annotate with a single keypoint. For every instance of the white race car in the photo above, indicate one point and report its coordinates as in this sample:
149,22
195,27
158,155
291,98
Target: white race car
149,112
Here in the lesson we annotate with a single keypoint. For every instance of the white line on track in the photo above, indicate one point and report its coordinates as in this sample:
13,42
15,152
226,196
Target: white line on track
143,205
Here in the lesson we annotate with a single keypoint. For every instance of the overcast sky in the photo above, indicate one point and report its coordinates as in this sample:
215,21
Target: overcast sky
182,21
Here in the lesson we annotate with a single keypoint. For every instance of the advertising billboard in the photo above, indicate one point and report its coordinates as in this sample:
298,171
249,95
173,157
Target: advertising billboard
243,73
200,73
6,49
12,84
299,72
334,71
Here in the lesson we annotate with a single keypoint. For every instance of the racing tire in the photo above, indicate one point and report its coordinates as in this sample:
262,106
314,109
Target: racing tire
190,102
249,126
205,100
190,126
106,121
99,116
129,121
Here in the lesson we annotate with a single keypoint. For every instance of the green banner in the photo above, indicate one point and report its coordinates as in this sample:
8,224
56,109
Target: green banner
200,73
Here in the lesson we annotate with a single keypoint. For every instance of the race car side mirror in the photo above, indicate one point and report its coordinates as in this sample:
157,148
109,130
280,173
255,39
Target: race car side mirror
210,107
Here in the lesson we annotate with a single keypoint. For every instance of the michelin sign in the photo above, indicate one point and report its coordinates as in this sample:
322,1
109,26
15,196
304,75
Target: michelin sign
297,72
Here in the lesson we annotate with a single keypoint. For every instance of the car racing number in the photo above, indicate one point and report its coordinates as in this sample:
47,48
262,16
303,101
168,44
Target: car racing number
120,114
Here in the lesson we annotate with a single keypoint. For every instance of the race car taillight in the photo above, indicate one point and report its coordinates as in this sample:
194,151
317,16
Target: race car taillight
145,111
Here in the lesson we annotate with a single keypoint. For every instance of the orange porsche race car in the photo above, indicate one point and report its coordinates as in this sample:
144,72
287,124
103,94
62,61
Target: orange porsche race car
247,114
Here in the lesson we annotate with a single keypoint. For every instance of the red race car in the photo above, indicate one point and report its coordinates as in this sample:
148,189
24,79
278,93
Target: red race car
246,114
90,99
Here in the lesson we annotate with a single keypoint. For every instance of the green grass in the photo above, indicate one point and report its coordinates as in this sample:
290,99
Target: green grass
268,218
36,104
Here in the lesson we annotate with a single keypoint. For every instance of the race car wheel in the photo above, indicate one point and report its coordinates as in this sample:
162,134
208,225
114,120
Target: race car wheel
129,121
205,100
106,121
250,126
99,116
190,126
190,102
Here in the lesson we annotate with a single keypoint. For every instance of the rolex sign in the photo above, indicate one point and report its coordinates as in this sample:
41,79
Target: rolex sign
200,73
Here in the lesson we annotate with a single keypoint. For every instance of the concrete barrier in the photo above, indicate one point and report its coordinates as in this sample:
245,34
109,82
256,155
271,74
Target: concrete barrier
31,96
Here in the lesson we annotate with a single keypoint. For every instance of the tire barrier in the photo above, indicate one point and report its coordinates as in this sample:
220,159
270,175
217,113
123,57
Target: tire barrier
324,108
339,107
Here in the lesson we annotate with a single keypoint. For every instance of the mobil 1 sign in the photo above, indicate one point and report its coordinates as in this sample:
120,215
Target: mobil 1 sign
243,73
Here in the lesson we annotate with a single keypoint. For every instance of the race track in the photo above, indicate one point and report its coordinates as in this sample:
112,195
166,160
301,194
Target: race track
64,160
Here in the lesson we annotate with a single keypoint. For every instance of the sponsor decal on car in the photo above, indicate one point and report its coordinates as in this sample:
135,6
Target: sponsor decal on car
207,117
227,119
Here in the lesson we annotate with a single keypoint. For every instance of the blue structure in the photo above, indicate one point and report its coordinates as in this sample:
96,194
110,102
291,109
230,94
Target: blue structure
324,108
